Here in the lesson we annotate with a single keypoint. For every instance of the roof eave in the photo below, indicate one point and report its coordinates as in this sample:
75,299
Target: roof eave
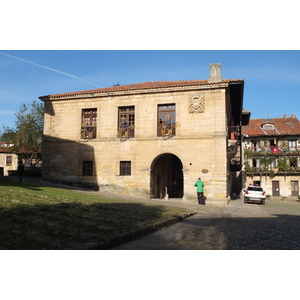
118,92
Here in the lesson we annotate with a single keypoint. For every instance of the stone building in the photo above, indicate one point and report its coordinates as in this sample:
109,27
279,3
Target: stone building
272,154
151,139
8,160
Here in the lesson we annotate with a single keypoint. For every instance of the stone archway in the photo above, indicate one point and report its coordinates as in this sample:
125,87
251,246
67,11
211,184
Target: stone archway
166,177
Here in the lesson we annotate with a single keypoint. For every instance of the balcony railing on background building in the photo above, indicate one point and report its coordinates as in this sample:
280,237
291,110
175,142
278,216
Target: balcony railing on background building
234,148
271,171
274,150
271,151
272,161
234,132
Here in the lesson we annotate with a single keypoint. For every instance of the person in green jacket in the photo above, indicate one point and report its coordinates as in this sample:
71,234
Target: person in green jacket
200,185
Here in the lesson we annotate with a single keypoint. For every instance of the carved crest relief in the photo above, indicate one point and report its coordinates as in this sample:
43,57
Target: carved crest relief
196,104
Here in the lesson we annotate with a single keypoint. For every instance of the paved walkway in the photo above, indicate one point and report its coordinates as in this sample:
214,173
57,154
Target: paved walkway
199,232
180,233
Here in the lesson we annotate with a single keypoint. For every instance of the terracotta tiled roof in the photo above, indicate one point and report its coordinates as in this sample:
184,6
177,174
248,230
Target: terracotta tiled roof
151,85
4,148
282,126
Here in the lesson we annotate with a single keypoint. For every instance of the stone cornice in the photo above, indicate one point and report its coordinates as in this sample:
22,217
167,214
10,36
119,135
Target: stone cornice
145,88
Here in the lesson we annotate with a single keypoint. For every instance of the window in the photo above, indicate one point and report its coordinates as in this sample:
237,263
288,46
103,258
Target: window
126,122
254,162
166,120
292,145
255,188
125,168
295,188
9,160
268,127
273,143
255,145
89,123
87,168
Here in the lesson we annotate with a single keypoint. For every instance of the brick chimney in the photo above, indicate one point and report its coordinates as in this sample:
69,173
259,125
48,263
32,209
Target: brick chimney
215,73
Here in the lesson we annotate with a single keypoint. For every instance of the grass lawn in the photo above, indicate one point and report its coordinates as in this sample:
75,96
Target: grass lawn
36,217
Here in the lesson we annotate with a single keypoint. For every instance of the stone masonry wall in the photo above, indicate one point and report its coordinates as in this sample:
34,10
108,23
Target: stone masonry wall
200,142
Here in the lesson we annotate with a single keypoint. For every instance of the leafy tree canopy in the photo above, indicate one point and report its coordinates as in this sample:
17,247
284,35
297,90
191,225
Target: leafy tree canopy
26,137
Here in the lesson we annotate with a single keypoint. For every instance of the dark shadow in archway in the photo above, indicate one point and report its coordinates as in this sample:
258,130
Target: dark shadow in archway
166,176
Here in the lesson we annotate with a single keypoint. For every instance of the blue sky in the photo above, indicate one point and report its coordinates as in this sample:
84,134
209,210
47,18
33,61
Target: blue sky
272,78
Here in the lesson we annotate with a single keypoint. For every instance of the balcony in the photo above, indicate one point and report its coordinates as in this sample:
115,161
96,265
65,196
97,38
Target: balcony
272,171
234,148
272,151
234,140
125,132
234,133
272,164
168,129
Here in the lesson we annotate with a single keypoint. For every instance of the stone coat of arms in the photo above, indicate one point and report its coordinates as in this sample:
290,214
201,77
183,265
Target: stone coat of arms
196,104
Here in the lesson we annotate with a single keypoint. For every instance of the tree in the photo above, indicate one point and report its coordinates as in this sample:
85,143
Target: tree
266,162
26,137
8,135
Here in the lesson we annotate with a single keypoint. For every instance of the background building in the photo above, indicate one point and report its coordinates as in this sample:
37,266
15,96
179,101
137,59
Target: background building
8,160
150,139
272,154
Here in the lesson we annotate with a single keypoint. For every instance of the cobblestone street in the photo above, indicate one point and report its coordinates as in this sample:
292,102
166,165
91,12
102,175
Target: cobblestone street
237,226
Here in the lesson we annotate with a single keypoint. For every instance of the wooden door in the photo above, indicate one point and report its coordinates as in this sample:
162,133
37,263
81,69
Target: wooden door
295,188
275,188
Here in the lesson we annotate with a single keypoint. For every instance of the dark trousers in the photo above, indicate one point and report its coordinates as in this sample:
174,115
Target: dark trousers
201,199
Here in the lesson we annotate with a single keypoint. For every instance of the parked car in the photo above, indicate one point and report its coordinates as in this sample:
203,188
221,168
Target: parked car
255,194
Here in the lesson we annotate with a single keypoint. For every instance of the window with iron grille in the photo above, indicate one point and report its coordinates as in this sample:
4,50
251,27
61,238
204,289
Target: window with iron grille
166,120
125,168
9,160
126,121
87,168
89,123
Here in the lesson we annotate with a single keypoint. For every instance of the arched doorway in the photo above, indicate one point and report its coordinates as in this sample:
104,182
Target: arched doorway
166,176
